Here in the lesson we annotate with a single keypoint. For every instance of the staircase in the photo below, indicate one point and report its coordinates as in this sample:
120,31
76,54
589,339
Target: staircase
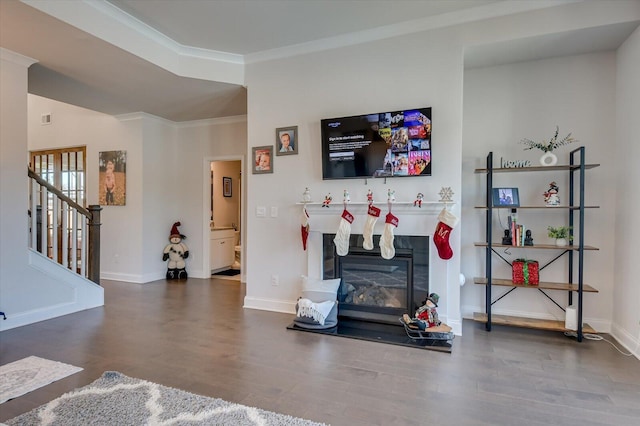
62,230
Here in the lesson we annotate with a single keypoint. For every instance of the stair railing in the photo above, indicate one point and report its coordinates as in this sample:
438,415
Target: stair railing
63,230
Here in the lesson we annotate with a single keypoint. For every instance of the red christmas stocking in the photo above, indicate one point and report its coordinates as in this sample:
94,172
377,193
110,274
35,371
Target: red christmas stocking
304,227
372,217
341,240
446,222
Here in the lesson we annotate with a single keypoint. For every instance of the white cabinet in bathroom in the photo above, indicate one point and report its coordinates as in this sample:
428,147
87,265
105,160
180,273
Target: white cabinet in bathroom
222,245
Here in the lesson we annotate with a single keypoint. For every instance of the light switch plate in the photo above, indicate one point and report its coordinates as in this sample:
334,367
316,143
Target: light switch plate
261,211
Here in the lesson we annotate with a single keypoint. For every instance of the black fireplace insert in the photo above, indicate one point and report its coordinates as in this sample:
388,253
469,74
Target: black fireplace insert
377,289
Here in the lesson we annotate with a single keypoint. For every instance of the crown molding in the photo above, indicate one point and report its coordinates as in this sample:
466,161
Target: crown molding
492,10
156,36
16,58
183,124
106,21
213,121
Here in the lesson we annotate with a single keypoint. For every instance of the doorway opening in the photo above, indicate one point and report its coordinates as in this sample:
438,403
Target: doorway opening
224,217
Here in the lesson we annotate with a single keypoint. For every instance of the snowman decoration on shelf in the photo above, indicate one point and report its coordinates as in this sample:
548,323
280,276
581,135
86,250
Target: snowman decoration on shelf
551,197
306,195
176,252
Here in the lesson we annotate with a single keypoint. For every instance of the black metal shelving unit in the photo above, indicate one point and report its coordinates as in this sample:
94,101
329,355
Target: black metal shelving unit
576,169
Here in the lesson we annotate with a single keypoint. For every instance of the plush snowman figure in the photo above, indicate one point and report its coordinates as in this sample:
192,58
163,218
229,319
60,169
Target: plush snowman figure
176,252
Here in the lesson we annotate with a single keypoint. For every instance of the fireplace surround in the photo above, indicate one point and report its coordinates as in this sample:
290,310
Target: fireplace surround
375,289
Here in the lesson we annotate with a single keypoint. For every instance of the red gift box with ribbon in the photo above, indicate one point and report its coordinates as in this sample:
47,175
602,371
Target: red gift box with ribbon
525,272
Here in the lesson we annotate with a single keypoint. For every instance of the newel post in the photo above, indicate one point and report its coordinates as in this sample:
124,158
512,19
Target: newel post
94,244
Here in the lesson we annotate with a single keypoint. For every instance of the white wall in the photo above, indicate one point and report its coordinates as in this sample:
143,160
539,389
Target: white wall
161,194
30,290
375,77
421,69
503,105
164,180
626,296
121,255
197,144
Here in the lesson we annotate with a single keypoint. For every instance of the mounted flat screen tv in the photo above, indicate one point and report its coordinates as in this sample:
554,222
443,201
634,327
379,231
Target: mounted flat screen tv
386,144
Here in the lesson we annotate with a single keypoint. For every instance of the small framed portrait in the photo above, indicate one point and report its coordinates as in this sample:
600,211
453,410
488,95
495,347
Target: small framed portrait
262,159
506,197
226,186
287,140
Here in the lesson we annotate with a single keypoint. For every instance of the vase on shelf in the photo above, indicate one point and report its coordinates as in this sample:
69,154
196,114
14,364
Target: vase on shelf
561,242
548,159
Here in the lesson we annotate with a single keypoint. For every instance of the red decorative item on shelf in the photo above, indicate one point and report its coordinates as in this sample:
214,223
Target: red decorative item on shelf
525,272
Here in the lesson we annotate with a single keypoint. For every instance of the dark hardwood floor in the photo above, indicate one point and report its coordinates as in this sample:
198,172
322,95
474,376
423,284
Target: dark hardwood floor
197,337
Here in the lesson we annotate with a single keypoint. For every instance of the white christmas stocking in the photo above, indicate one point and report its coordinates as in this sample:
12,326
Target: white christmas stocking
446,222
386,240
304,227
341,239
372,217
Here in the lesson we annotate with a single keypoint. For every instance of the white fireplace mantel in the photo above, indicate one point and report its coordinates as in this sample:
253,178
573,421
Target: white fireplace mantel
413,220
397,208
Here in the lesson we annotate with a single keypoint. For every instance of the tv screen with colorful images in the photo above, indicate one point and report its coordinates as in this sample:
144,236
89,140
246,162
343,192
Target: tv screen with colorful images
387,144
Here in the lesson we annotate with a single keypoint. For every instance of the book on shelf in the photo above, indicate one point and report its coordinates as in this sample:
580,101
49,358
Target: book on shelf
517,231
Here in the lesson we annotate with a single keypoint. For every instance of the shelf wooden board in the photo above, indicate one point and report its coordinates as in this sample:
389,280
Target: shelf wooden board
537,207
539,324
544,285
537,168
538,246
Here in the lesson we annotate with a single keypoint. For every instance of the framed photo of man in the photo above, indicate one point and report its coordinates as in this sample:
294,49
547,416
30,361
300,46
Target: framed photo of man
287,140
262,159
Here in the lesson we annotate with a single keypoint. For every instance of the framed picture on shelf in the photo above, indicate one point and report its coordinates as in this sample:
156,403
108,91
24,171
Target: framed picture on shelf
226,186
263,159
506,197
287,140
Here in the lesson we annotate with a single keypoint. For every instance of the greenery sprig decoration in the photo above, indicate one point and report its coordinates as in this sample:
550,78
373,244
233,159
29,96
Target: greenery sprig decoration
548,146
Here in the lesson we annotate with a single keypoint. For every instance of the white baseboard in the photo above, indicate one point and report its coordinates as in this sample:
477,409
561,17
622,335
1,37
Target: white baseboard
43,314
631,343
132,278
272,305
456,325
147,278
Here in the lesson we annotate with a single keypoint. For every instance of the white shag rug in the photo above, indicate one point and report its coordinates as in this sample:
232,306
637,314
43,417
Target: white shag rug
115,399
28,374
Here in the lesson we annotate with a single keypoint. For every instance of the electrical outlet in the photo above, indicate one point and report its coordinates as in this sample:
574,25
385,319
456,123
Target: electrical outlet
275,280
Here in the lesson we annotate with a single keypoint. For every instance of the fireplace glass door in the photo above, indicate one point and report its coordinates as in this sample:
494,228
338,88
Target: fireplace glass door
374,288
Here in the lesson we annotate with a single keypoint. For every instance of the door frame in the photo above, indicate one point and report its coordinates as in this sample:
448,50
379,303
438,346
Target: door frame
206,205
